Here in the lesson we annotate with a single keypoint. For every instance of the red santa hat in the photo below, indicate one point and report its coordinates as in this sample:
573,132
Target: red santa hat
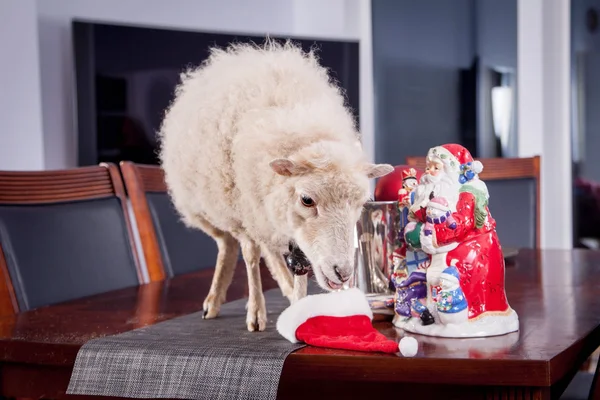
340,320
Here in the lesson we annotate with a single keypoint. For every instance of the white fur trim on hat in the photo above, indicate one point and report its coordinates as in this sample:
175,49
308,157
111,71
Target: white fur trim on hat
345,303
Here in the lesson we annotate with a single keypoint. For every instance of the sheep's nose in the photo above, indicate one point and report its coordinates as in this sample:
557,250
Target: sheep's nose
339,275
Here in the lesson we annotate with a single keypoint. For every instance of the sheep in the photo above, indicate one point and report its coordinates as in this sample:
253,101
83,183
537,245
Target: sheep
260,152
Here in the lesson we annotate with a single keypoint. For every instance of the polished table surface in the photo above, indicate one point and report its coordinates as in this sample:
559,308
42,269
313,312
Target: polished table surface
556,294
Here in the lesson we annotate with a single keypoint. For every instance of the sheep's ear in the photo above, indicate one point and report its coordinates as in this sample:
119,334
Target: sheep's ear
378,170
287,167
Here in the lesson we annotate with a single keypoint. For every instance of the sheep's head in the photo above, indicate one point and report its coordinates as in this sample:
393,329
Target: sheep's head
319,202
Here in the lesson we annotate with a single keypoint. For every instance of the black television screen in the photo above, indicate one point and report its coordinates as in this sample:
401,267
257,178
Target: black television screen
126,75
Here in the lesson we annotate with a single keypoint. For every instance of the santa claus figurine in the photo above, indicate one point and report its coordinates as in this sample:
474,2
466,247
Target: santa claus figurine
469,243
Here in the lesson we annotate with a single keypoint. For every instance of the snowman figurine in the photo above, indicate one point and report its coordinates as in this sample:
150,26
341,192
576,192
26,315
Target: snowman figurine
451,303
438,212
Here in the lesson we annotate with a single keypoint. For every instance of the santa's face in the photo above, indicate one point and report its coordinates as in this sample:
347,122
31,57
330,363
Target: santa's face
437,181
433,167
409,184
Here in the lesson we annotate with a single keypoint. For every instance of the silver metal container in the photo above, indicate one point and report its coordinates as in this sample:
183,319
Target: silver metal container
377,234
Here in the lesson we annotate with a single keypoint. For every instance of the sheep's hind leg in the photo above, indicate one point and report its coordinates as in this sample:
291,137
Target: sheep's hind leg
225,266
256,317
279,271
224,269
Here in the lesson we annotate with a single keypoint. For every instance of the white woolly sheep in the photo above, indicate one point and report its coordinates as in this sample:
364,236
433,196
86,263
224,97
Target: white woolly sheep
259,150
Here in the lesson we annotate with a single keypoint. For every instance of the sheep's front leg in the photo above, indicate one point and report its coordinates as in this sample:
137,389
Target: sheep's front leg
300,287
279,271
256,317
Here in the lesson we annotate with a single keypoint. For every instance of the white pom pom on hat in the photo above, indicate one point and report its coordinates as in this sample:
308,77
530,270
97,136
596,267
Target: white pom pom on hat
477,166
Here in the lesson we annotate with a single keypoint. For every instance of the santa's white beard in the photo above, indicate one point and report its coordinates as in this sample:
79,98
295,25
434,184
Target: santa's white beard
443,185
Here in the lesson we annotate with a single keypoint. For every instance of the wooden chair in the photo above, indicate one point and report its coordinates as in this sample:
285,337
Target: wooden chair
63,234
170,248
505,177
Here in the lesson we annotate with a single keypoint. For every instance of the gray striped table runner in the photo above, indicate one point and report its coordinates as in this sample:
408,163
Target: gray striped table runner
188,358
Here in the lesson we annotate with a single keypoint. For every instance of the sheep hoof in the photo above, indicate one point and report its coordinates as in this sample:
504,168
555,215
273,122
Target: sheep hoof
211,307
256,322
256,319
253,326
257,325
210,313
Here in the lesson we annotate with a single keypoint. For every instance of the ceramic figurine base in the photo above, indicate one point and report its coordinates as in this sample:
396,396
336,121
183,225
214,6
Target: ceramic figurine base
458,291
475,348
486,325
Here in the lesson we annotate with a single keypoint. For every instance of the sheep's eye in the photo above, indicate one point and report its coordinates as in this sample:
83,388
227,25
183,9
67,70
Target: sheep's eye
307,201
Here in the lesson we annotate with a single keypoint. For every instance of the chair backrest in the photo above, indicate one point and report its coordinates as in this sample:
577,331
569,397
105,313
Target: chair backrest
64,235
170,247
514,186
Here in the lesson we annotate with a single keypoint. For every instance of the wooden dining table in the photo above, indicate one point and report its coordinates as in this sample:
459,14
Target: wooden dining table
556,294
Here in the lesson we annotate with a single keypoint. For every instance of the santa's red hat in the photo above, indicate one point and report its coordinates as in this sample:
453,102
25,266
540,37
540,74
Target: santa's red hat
340,320
454,156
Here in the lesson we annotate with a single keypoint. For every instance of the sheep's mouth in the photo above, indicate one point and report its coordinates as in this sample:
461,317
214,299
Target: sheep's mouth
299,264
333,285
296,260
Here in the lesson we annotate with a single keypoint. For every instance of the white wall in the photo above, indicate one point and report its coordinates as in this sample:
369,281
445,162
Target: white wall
544,67
336,19
21,137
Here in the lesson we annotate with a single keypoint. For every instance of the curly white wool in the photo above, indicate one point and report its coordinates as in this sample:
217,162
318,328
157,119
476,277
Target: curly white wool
250,133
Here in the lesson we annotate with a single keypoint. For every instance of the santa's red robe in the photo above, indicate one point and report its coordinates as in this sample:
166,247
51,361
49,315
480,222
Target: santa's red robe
480,262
